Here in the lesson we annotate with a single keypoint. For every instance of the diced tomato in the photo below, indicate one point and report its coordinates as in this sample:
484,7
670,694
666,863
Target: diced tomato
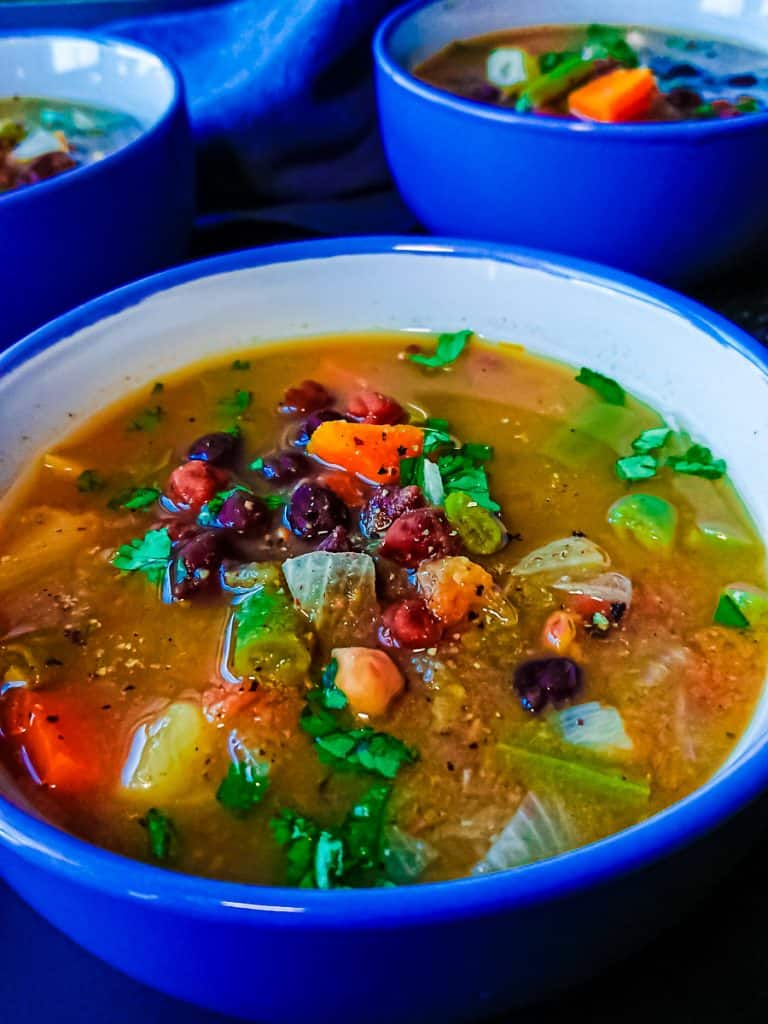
194,483
586,606
59,744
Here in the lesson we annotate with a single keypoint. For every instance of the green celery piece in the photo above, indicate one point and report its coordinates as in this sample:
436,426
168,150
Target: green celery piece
742,605
649,520
599,423
725,535
270,635
555,83
606,781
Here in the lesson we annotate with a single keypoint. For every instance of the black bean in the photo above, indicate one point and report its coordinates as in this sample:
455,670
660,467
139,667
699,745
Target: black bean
218,448
314,511
545,681
285,467
243,513
195,564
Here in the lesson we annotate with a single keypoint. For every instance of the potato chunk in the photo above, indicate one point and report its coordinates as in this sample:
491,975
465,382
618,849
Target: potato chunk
168,754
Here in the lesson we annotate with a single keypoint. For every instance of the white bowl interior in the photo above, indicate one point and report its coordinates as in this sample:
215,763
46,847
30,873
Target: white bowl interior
680,366
116,75
434,26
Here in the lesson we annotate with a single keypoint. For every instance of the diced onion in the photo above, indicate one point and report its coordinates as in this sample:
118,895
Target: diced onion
593,726
608,586
505,66
575,557
539,828
37,144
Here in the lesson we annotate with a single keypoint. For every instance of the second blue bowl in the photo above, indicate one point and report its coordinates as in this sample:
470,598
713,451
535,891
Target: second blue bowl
674,202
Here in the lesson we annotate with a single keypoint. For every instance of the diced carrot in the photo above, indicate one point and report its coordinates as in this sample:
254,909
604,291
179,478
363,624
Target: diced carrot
622,95
370,451
346,487
58,745
453,588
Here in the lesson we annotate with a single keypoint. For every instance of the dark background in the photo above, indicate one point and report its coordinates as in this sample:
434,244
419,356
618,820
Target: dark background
710,966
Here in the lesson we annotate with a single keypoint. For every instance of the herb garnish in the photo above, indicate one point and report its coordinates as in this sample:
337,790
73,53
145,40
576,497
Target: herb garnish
244,786
241,364
148,554
162,834
257,465
609,390
449,348
651,440
698,461
135,498
325,858
90,480
729,614
275,500
233,406
210,510
157,387
349,749
148,419
636,467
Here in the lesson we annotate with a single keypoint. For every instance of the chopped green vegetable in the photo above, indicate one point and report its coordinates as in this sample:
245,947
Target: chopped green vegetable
210,510
306,866
274,501
554,58
161,832
608,389
157,387
147,420
742,605
698,461
606,42
148,554
651,440
257,465
481,532
461,471
241,364
449,348
270,634
244,786
436,435
233,406
649,520
636,467
135,498
555,83
606,781
91,480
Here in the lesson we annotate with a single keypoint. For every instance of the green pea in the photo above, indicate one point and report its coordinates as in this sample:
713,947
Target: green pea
480,530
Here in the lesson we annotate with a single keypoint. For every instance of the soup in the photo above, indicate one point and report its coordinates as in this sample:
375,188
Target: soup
40,139
443,609
603,73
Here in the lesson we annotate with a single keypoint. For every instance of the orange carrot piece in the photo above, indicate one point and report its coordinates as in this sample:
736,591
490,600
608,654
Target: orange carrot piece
372,452
622,95
58,747
345,486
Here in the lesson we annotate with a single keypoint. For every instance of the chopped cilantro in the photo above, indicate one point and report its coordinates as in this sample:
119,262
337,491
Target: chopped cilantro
729,614
349,749
275,500
478,452
234,405
257,465
148,554
637,467
162,834
210,510
436,435
157,387
606,42
91,480
698,461
607,388
449,348
244,786
135,497
325,858
462,472
651,440
148,419
241,364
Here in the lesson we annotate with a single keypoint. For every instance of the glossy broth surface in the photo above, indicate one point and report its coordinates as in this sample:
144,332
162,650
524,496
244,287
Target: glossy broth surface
93,657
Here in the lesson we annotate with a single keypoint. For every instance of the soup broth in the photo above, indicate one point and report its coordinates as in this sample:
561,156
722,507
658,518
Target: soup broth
443,609
41,138
603,73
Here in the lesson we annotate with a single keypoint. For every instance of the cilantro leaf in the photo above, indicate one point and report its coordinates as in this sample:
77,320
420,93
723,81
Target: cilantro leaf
609,390
436,435
135,498
257,464
90,480
329,695
147,420
478,452
460,472
157,387
241,364
233,406
606,42
161,832
636,467
698,461
449,348
728,613
651,440
244,786
326,858
210,509
275,500
148,554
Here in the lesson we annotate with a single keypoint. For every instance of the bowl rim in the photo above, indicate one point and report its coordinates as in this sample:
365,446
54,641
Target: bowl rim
48,848
160,126
689,131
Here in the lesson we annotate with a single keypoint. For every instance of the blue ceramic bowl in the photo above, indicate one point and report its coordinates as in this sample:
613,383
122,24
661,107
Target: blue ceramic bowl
74,236
439,952
672,202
